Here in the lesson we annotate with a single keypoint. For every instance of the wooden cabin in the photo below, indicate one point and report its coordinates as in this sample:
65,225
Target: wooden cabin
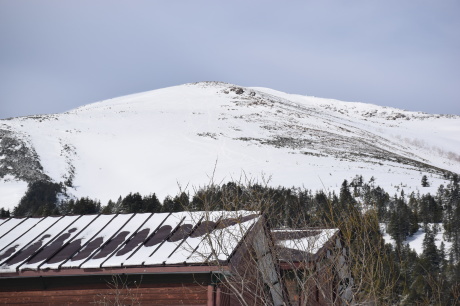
313,266
184,258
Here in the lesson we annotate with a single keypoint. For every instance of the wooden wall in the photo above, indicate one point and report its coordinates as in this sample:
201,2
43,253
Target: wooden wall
188,294
180,290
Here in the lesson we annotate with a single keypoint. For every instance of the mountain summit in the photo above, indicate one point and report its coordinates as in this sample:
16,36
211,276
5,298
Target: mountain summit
187,136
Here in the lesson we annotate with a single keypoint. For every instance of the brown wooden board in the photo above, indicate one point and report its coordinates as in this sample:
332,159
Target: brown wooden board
178,294
101,281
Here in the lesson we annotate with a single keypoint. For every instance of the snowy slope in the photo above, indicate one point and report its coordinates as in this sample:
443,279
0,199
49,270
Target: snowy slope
415,241
190,134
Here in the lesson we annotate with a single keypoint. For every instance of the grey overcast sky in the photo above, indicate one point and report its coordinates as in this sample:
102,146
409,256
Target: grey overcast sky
58,55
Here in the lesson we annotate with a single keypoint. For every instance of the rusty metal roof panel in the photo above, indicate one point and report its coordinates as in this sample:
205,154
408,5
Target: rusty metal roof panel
128,249
182,225
18,229
28,241
72,229
113,245
94,245
75,244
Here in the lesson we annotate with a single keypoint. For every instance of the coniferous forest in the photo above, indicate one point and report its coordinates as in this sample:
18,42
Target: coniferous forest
398,275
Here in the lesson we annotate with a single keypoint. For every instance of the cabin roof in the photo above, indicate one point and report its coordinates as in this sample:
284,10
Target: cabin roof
142,240
295,245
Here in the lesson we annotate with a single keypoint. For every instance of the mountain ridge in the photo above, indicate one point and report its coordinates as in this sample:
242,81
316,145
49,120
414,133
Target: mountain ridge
189,134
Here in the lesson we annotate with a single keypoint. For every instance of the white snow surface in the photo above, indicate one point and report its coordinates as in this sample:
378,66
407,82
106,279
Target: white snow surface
121,240
152,223
25,238
107,231
10,223
84,236
190,135
73,230
129,228
21,228
42,234
311,244
11,191
415,241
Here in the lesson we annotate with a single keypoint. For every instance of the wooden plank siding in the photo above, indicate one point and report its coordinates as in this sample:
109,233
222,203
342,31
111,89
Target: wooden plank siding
187,294
185,289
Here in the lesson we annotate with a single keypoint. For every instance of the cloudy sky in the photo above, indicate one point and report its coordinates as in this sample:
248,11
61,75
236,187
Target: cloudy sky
58,55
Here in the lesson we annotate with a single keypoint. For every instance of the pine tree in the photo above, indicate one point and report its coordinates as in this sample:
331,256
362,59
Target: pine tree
431,257
117,207
151,203
402,220
85,206
451,218
4,213
40,197
132,203
425,182
443,255
109,208
168,205
413,221
381,200
345,197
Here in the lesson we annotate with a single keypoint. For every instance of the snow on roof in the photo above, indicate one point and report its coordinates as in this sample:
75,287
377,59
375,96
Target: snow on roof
300,244
120,240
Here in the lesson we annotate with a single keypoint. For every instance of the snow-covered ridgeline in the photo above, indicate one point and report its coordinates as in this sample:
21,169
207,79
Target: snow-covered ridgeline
191,134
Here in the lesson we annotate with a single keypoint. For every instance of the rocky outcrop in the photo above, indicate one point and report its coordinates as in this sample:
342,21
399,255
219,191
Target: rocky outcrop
18,159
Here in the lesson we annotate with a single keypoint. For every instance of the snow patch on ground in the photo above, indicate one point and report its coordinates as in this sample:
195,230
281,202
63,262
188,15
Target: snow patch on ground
415,241
11,192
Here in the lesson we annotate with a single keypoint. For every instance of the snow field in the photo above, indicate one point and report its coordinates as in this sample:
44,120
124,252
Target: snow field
189,136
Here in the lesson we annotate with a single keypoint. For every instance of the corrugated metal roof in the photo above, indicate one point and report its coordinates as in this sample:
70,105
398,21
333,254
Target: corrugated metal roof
120,240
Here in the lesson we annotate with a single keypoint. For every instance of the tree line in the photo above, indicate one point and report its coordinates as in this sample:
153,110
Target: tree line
397,274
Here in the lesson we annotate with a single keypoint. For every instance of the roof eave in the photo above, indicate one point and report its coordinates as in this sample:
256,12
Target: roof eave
196,269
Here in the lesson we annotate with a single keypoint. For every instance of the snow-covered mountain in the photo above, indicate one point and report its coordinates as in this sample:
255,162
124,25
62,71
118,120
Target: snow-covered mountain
191,134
